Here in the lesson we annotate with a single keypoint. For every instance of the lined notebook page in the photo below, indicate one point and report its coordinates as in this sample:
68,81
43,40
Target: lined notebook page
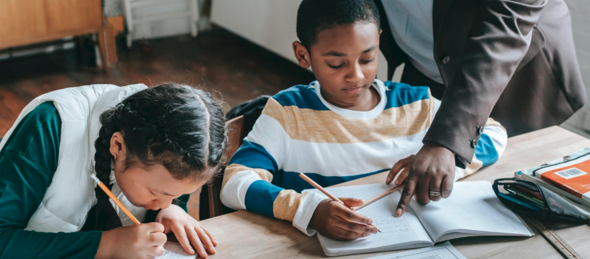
406,230
175,251
472,209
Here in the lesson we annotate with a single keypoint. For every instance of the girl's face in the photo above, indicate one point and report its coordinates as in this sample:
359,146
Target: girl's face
151,187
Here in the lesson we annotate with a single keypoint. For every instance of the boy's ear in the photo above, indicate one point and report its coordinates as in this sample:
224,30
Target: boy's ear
301,54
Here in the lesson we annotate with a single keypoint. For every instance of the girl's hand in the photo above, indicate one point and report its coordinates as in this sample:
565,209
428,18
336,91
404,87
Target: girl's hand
187,231
137,241
338,222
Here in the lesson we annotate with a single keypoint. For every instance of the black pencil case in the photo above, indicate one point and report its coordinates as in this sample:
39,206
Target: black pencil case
552,206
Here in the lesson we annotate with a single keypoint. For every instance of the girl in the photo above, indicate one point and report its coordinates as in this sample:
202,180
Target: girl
148,145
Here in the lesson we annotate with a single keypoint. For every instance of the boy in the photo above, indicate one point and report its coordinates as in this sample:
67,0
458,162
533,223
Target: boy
344,126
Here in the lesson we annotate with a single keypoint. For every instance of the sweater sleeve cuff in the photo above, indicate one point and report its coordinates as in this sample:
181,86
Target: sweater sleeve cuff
305,212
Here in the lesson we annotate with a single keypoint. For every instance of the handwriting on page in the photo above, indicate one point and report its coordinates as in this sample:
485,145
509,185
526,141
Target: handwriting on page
175,251
393,230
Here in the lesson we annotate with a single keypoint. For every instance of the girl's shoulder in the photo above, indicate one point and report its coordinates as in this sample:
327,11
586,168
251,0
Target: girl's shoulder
43,121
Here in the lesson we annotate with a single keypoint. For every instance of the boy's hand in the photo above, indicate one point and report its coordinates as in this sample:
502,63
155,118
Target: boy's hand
187,230
338,222
400,165
431,170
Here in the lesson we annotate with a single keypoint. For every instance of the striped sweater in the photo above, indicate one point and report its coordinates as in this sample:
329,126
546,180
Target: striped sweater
299,131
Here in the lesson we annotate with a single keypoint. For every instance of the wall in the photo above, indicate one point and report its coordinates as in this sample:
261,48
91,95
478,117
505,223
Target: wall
579,9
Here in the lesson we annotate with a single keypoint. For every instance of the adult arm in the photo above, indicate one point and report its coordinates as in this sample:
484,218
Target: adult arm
496,44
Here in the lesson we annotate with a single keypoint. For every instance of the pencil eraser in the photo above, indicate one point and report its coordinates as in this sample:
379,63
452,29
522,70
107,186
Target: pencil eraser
95,178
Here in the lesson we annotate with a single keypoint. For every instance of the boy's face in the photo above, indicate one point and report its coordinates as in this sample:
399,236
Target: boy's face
344,61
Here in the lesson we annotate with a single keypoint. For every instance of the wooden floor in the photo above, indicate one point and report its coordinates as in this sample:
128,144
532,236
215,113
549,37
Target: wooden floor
218,60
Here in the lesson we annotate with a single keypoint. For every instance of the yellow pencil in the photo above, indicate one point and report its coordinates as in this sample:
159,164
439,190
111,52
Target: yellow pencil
321,189
117,201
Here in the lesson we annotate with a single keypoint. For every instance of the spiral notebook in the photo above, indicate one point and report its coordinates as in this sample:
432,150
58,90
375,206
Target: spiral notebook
472,210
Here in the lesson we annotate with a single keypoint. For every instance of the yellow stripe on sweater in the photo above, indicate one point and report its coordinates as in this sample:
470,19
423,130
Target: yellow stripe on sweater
286,204
330,127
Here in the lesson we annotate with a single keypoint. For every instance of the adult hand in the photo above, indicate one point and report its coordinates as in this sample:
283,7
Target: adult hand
431,171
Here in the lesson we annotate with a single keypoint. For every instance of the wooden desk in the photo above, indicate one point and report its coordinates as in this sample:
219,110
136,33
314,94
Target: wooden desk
247,235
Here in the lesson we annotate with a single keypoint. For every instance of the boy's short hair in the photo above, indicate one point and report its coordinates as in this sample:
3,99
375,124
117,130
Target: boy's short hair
315,16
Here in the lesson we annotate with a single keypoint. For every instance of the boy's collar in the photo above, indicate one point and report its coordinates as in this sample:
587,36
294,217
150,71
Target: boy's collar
377,84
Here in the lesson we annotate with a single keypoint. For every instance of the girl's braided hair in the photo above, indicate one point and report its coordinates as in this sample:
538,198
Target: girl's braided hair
177,126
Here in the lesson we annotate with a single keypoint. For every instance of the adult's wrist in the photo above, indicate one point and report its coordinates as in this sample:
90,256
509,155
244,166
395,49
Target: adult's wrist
459,160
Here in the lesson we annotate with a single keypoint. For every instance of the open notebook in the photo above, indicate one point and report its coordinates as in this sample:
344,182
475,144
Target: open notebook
472,210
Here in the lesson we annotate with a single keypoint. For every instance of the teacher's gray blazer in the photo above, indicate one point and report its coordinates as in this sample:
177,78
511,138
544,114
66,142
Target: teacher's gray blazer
513,61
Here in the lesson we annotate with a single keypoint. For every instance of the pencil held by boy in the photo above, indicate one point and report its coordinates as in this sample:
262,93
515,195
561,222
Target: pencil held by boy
344,126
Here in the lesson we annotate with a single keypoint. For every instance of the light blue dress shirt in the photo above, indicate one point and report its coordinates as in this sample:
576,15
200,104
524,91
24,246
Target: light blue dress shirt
411,25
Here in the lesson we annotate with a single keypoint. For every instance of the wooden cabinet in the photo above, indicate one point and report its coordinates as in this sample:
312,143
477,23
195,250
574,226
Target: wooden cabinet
25,22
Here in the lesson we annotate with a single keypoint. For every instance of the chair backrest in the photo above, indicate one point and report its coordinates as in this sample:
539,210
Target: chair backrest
235,137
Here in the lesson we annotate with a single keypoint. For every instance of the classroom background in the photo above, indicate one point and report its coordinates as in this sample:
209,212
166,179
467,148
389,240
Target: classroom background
237,49
241,49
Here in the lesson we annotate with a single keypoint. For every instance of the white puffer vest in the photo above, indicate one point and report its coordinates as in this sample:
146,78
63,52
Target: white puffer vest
71,193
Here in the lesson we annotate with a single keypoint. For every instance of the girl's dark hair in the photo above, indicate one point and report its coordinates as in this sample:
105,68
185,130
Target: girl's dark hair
177,126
